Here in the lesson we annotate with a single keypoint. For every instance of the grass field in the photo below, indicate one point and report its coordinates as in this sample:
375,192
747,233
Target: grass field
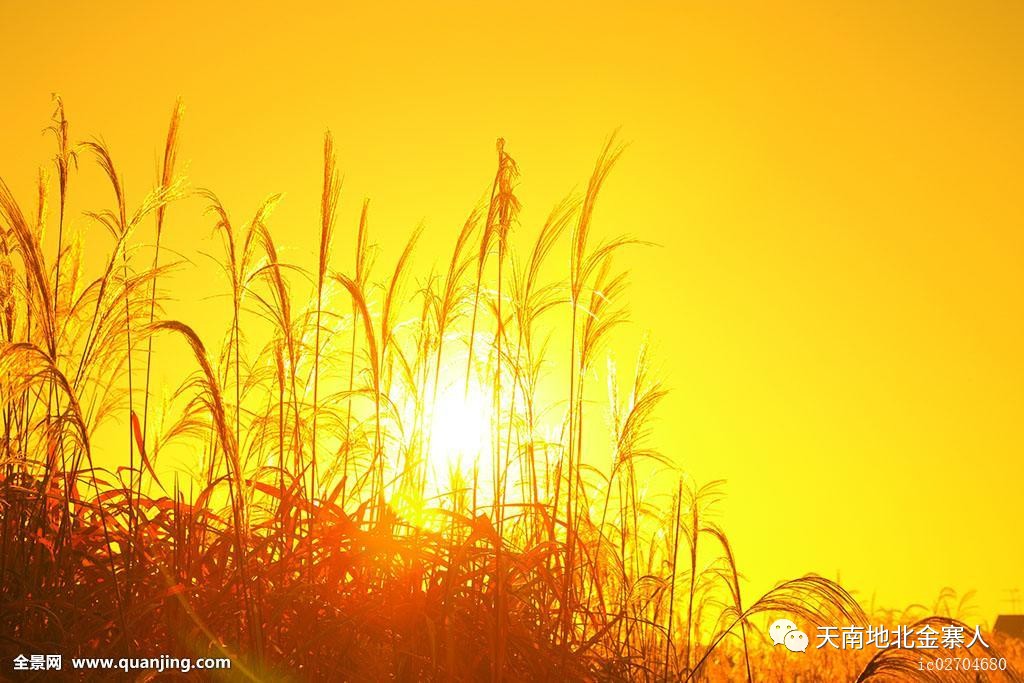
397,473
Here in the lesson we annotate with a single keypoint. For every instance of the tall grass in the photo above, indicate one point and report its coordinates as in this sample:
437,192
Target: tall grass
326,528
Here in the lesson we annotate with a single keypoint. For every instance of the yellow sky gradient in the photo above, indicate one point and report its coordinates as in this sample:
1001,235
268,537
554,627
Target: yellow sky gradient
838,299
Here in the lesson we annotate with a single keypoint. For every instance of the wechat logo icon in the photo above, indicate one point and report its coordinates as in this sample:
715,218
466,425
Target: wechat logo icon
785,632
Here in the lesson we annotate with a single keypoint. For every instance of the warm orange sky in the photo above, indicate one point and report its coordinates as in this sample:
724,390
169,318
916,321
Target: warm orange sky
837,301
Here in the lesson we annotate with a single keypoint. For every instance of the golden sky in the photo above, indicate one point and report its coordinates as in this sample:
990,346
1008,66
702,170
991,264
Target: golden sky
836,188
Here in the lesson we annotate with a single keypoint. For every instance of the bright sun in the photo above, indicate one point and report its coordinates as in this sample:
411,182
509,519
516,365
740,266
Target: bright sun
460,430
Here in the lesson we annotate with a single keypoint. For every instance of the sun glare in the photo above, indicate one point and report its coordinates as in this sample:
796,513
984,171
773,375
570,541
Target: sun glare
460,432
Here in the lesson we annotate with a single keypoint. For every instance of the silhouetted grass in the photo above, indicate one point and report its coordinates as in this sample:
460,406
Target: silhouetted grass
325,530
